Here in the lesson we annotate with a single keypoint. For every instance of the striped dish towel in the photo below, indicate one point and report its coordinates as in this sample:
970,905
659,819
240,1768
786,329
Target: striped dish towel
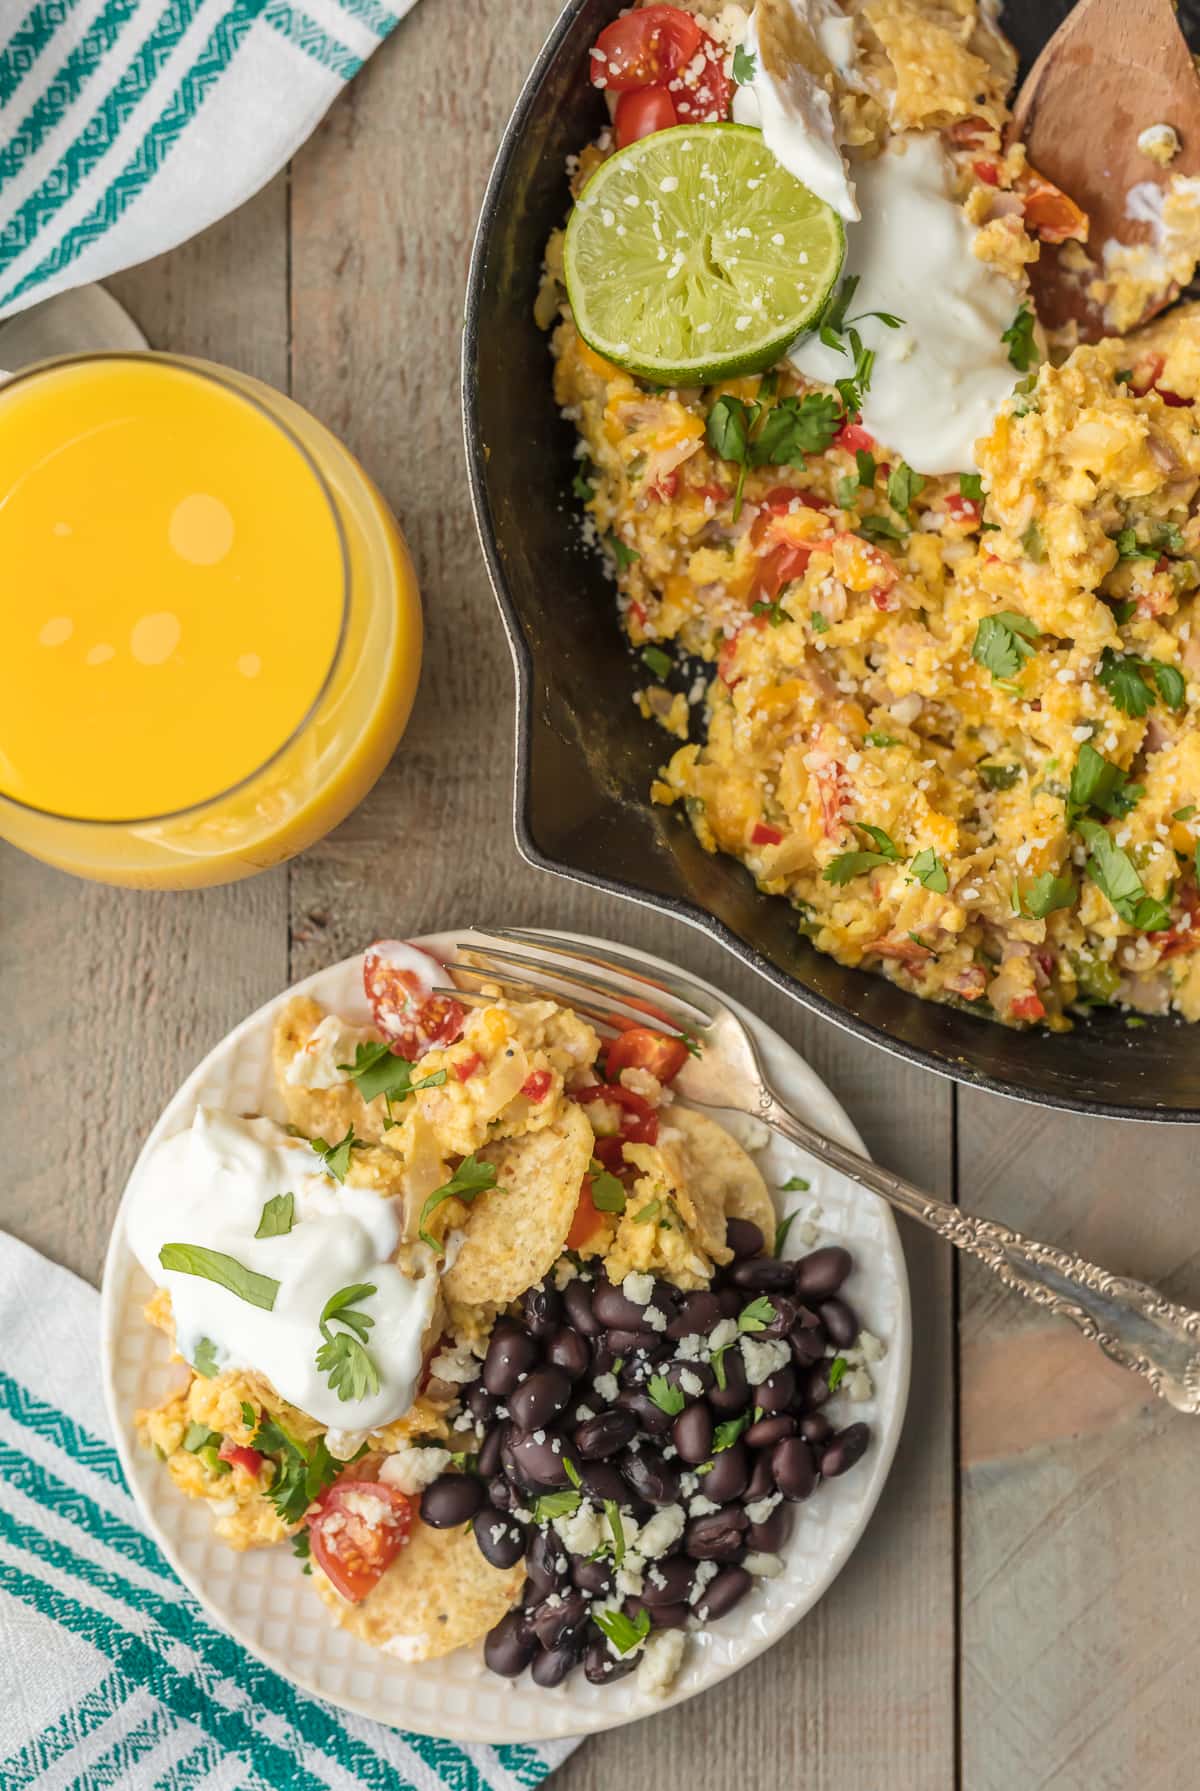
127,126
110,1674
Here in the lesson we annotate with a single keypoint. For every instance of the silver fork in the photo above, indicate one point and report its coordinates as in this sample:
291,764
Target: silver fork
1131,1323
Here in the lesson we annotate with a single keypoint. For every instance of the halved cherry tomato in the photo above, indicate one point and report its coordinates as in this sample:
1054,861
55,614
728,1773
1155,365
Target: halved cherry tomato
646,48
1050,214
356,1535
781,498
779,568
705,96
641,113
587,1221
854,439
537,1086
717,493
242,1455
987,172
467,1066
399,979
639,1121
764,834
964,509
641,1049
1027,1007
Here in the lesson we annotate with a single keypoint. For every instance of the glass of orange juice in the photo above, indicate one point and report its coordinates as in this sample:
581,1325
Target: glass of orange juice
212,621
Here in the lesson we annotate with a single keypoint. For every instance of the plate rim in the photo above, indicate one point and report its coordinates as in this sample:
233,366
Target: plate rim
119,1258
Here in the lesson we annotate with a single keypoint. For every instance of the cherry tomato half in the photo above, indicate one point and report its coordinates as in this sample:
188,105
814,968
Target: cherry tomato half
639,1121
645,48
358,1532
706,95
642,1049
587,1220
398,979
242,1454
641,113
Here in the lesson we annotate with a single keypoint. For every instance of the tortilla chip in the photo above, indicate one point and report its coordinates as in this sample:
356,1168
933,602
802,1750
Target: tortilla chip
318,1112
719,1175
515,1233
439,1594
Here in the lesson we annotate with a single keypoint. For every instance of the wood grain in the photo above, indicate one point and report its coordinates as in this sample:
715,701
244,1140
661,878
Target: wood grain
1080,1612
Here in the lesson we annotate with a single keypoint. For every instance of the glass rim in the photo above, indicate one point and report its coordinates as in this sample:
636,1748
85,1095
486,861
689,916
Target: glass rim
227,379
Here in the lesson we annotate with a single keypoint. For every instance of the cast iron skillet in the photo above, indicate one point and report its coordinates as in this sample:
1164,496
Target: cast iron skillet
585,757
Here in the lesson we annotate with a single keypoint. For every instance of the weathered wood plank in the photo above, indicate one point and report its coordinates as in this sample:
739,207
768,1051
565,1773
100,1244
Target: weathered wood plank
863,1694
111,996
1080,1578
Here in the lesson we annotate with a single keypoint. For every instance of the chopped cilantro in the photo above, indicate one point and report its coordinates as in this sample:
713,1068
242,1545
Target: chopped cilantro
757,1315
774,612
621,552
929,871
608,1196
796,1184
204,1359
903,486
782,1229
1048,892
581,485
277,1217
658,661
667,1398
880,528
470,1178
556,1504
745,65
335,1158
837,1371
343,1357
875,738
727,1434
998,777
1002,643
970,485
1097,783
1113,872
1021,341
818,623
624,1633
1120,674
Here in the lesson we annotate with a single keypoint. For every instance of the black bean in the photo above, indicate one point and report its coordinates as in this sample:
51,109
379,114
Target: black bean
591,1576
602,1480
670,1616
718,1536
822,1272
541,1308
605,1433
651,1478
807,1344
489,1452
762,1480
501,1539
503,1494
692,1433
816,1428
840,1321
763,1274
814,1387
451,1500
509,1648
551,1666
777,1392
768,1536
624,1342
616,1310
603,1355
697,1315
846,1448
793,1467
538,1462
480,1403
568,1350
734,1396
684,1375
641,1360
538,1400
649,1416
722,1593
600,1667
668,1581
560,1619
786,1313
743,1237
730,1300
510,1354
729,1475
577,1299
770,1430
547,1562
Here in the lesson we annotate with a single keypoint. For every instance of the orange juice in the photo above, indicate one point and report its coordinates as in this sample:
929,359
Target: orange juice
212,629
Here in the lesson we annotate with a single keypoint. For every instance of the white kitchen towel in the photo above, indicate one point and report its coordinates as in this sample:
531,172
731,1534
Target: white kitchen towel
127,126
110,1674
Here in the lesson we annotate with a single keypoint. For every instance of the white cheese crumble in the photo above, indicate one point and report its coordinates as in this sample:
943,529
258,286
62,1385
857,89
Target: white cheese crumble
763,1567
661,1659
764,1359
638,1288
661,1531
412,1470
605,1386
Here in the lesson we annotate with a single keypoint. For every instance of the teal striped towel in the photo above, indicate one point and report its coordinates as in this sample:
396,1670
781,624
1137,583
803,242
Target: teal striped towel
128,125
110,1674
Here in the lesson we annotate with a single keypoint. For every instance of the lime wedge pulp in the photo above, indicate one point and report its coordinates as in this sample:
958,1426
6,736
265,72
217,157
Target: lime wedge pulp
693,255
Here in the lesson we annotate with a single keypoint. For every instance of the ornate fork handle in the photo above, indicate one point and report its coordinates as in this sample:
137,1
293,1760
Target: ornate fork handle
1132,1323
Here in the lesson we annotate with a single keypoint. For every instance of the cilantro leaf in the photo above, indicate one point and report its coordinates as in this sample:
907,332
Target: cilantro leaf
335,1158
302,1470
998,777
658,662
1021,342
782,1229
378,1070
612,1512
727,1434
796,1184
556,1504
929,871
1114,873
1120,674
757,1315
212,1265
608,1196
880,528
903,486
342,1357
667,1398
728,428
1097,783
1172,687
848,865
970,485
745,65
875,738
470,1178
1001,643
621,551
277,1217
837,1372
581,485
204,1359
1048,892
624,1633
865,463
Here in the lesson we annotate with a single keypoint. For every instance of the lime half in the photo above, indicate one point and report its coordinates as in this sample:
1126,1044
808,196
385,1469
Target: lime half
693,255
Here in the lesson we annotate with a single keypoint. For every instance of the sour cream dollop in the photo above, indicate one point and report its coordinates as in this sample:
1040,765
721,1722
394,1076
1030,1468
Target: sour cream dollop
793,110
208,1186
938,380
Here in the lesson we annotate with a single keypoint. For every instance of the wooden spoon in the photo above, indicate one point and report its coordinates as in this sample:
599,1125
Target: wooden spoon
1112,68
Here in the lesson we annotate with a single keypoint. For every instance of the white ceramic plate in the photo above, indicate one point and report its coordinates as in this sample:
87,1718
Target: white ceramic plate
264,1600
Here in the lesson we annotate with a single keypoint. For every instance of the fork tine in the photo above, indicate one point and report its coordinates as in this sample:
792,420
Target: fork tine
680,988
602,1018
623,1007
471,996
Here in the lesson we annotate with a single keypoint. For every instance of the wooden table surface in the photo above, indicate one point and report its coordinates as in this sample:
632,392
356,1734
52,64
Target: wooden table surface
1025,1608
